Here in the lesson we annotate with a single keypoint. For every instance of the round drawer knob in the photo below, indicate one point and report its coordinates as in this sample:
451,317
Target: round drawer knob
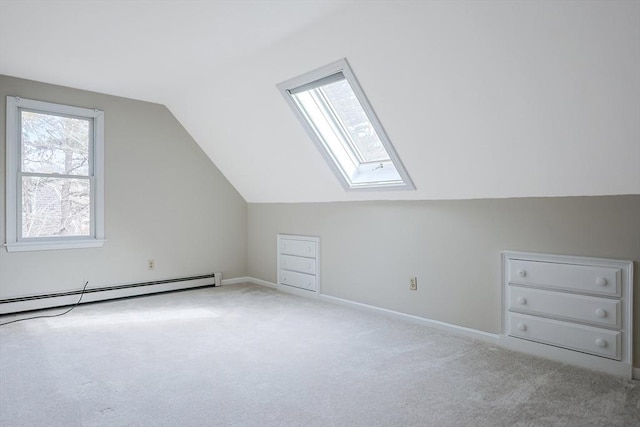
308,266
522,327
522,273
601,281
308,282
601,343
308,249
522,300
601,313
284,262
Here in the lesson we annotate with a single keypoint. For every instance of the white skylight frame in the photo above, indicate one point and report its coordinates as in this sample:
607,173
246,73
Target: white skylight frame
342,154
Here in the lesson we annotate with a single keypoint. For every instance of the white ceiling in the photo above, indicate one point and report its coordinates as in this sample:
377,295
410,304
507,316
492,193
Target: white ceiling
141,49
481,99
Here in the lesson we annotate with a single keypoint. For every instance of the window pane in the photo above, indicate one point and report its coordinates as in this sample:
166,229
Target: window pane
348,109
55,207
54,144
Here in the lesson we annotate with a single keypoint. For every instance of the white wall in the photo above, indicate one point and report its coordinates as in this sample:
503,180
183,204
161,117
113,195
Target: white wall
164,200
369,250
481,99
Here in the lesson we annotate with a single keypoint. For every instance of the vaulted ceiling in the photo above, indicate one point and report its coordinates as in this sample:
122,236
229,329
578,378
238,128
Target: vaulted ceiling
480,99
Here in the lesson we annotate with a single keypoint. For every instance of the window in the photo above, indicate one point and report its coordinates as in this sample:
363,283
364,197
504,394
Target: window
337,116
54,176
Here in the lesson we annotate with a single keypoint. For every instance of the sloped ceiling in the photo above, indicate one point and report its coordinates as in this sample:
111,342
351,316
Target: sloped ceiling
480,99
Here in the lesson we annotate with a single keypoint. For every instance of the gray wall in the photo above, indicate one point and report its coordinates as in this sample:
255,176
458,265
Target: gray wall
164,200
369,250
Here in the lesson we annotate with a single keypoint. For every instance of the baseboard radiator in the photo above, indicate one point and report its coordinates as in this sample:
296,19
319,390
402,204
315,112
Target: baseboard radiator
61,299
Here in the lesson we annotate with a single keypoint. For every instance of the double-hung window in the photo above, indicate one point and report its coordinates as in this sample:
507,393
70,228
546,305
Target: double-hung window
334,111
55,186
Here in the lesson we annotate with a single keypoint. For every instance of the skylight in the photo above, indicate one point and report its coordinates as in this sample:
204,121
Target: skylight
337,116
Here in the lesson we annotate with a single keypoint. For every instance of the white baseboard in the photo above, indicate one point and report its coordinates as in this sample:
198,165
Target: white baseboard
245,279
448,327
235,281
263,283
454,329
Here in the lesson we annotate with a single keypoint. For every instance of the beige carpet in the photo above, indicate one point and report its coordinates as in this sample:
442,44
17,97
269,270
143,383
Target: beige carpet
245,355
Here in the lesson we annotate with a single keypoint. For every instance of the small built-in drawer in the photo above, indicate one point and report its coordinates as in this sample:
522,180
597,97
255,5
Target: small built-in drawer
588,339
299,280
574,277
304,248
296,263
595,310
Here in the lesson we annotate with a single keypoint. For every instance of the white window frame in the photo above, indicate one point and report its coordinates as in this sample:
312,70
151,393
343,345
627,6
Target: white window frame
14,242
361,175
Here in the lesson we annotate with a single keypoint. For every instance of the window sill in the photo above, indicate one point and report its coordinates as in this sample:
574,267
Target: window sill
50,246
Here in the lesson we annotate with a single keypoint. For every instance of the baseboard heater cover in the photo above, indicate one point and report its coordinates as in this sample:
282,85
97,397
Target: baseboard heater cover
60,299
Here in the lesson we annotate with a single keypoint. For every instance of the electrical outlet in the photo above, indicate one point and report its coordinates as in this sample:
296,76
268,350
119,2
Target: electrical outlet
151,264
413,284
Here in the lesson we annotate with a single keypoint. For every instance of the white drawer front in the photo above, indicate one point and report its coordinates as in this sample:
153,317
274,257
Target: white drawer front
299,280
598,311
303,265
600,342
580,278
298,247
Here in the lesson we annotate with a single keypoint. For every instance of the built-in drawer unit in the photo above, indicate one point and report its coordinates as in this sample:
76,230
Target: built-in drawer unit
574,309
298,262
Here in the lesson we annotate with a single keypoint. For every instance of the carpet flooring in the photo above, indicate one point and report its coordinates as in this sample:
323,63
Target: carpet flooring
245,355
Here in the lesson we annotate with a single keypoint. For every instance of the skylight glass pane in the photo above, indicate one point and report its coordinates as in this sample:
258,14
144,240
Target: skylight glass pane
335,113
326,130
355,120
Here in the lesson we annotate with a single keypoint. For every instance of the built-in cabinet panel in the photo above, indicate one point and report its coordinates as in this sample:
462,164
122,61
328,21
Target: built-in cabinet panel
582,306
298,262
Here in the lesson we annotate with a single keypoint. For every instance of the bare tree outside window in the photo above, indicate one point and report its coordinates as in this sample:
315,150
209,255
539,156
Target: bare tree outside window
55,176
56,186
